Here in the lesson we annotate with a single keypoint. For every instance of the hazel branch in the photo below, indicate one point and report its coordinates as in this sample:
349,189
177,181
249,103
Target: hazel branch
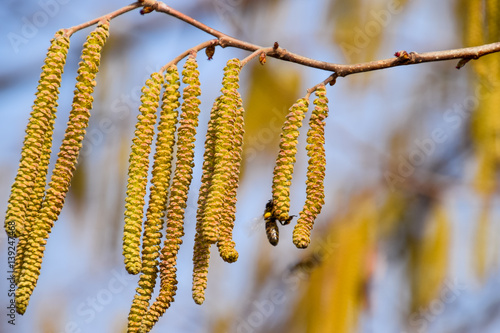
339,70
70,31
401,58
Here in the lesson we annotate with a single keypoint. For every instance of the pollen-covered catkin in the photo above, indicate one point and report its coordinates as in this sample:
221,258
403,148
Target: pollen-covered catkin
315,191
285,161
178,193
208,163
138,172
157,199
36,201
217,193
201,258
225,243
65,165
201,250
26,187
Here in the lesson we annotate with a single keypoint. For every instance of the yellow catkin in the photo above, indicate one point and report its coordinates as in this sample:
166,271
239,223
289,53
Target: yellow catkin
138,172
26,187
201,250
285,161
201,258
315,192
208,163
225,243
36,201
64,167
218,194
178,194
157,199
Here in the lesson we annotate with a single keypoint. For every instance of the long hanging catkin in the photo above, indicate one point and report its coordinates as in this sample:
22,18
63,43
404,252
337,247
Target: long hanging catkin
201,250
157,200
31,176
285,161
64,167
178,193
201,258
138,172
225,243
315,191
217,193
38,134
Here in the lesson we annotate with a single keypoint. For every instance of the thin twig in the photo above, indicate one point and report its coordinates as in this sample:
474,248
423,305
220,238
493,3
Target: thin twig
184,54
68,32
330,80
258,52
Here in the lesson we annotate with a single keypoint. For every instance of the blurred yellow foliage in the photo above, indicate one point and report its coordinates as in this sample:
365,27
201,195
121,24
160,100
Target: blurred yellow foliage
480,258
358,27
429,258
269,95
337,289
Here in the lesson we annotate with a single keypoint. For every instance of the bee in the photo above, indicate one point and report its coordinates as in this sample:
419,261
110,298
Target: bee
272,230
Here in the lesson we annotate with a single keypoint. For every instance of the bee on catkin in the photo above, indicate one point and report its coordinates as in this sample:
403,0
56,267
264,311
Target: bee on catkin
65,165
271,218
31,176
315,191
272,231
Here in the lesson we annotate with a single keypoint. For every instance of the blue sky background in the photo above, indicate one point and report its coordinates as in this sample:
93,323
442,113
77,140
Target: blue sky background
84,287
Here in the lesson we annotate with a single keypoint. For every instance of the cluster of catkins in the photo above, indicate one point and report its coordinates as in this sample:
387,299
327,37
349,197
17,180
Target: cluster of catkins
217,196
278,208
34,207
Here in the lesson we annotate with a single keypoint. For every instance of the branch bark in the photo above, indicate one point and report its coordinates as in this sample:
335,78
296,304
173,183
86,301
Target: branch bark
337,69
402,58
